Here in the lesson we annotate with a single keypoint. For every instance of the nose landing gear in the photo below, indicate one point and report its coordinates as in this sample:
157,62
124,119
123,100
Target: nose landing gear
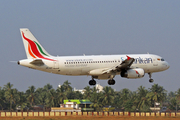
150,80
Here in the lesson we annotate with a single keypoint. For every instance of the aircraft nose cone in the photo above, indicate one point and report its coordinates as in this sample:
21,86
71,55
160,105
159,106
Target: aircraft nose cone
167,65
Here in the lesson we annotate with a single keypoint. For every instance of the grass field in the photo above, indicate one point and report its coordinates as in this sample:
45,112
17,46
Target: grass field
90,118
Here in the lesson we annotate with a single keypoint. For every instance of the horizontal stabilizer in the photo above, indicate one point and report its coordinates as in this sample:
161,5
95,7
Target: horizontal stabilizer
37,62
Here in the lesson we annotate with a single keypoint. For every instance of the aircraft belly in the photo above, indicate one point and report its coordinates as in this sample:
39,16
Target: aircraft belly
71,72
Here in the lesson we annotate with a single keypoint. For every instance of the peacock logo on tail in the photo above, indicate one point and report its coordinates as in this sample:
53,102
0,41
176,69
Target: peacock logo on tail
35,49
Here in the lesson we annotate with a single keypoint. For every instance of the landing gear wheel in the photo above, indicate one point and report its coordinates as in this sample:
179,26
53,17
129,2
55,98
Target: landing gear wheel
92,82
151,80
111,82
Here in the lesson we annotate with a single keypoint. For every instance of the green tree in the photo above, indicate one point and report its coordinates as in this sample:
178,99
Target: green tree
117,102
31,95
141,99
47,87
76,95
66,86
124,96
10,94
51,98
2,98
173,104
67,89
107,96
177,94
87,93
96,99
60,95
129,106
157,94
21,101
40,95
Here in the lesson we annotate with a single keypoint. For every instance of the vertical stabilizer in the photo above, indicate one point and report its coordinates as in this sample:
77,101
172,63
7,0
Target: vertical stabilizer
32,47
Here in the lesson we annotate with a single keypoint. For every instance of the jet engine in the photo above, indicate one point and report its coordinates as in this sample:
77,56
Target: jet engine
133,73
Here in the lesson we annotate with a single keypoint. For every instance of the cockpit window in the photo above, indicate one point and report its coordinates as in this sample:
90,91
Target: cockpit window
162,59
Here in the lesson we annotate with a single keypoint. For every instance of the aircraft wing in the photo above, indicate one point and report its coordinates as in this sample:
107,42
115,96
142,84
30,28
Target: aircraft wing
37,62
123,66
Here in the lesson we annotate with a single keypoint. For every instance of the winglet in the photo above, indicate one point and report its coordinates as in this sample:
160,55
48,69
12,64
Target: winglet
128,57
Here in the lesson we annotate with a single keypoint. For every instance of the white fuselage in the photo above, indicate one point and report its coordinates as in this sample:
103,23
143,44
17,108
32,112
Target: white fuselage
98,66
82,65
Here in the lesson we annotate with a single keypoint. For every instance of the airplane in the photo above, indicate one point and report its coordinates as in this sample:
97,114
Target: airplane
102,67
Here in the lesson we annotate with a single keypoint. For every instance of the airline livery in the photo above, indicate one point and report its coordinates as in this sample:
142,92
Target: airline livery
97,66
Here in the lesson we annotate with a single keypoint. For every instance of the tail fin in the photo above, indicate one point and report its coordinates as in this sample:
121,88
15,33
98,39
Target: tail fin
32,47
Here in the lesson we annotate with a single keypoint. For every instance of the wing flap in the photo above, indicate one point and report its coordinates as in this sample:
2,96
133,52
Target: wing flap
123,66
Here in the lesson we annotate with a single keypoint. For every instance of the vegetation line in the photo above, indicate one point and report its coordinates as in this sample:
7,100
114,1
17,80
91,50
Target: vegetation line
124,100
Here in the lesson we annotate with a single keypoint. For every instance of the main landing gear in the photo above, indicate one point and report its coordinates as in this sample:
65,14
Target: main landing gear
111,82
92,82
150,80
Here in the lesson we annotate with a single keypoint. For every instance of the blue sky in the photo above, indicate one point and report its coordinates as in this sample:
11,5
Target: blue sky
91,27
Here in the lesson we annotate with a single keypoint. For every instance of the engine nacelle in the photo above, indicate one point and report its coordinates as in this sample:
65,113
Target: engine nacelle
133,73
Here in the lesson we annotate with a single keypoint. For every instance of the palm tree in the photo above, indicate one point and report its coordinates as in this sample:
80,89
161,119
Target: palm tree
51,98
124,96
141,98
107,96
76,95
31,95
40,95
157,94
60,96
66,86
87,93
178,95
22,101
12,96
117,103
67,89
177,98
10,93
171,95
96,99
48,87
2,98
